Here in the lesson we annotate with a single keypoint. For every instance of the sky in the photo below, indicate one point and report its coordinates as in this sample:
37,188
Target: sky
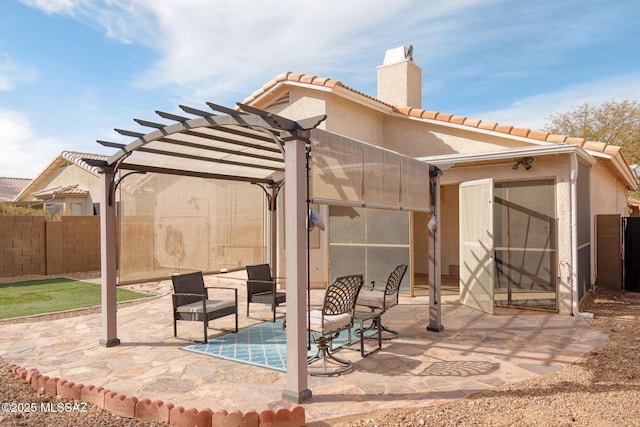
73,70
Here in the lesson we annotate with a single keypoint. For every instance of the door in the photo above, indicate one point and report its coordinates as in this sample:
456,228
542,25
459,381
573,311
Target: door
609,254
631,227
525,244
477,267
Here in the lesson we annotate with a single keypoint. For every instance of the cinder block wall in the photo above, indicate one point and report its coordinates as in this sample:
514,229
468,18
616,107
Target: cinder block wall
31,245
22,245
73,244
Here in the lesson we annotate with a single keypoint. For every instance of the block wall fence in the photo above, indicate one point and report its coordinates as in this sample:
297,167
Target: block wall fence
32,245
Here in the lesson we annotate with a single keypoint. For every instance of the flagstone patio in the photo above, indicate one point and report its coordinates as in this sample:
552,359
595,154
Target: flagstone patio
419,368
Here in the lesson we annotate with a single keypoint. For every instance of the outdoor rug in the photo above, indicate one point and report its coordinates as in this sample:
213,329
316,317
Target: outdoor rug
261,345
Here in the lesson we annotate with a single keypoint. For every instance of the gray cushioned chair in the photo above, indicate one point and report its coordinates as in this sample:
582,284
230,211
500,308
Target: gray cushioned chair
262,288
191,302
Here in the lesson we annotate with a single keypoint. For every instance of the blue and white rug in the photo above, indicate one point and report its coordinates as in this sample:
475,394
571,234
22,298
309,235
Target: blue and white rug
263,345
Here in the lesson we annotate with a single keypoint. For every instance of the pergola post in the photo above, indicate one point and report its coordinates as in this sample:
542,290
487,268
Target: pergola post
272,244
295,234
109,336
435,275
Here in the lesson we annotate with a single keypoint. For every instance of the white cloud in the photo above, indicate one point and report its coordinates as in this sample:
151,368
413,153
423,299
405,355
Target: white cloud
55,6
532,112
24,153
219,48
12,72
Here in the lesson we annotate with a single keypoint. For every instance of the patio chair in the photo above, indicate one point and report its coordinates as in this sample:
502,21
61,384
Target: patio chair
262,288
326,323
191,302
380,300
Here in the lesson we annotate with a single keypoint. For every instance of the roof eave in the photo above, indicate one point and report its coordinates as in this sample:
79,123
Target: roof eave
450,160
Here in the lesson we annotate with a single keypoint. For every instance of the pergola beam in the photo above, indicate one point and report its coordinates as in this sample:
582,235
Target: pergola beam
111,144
209,159
171,116
149,124
225,150
181,172
223,109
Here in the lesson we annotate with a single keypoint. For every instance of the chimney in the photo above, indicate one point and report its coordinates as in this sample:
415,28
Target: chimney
400,79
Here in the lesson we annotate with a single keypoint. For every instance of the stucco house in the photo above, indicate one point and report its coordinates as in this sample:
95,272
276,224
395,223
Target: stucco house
522,216
67,186
519,206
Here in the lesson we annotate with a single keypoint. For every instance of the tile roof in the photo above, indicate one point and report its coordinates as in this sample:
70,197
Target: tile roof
306,79
66,190
290,77
65,157
76,157
611,150
11,187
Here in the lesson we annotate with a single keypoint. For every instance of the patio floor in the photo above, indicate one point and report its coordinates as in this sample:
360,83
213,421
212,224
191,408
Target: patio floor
473,353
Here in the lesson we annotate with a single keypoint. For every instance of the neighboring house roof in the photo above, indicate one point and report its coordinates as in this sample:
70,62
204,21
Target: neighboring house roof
11,187
55,192
65,158
599,149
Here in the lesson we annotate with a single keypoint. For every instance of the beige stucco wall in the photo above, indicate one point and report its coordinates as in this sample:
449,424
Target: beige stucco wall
419,138
71,174
608,194
555,167
400,84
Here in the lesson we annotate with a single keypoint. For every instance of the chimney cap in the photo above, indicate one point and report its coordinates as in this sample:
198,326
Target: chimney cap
398,54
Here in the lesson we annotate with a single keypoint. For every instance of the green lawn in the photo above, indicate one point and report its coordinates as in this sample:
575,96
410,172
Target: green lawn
51,295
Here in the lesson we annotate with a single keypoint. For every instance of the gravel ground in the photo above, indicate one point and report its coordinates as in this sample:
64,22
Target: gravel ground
601,389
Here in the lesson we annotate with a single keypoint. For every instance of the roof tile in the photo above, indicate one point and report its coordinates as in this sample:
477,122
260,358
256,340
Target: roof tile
77,158
307,79
11,187
444,117
503,128
282,76
595,146
415,112
472,122
555,138
295,77
320,81
487,125
429,115
458,119
334,83
576,141
540,136
612,150
523,132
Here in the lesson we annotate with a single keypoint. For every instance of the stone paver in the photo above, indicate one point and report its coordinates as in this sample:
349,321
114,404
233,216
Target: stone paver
419,368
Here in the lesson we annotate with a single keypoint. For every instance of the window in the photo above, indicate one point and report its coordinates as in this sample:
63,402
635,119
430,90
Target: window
54,209
76,209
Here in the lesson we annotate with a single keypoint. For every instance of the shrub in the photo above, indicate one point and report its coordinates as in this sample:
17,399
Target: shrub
10,210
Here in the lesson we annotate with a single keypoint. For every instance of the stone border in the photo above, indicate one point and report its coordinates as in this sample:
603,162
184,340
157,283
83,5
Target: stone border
157,410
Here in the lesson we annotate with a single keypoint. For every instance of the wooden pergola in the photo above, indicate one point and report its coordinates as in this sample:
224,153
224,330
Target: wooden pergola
250,145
